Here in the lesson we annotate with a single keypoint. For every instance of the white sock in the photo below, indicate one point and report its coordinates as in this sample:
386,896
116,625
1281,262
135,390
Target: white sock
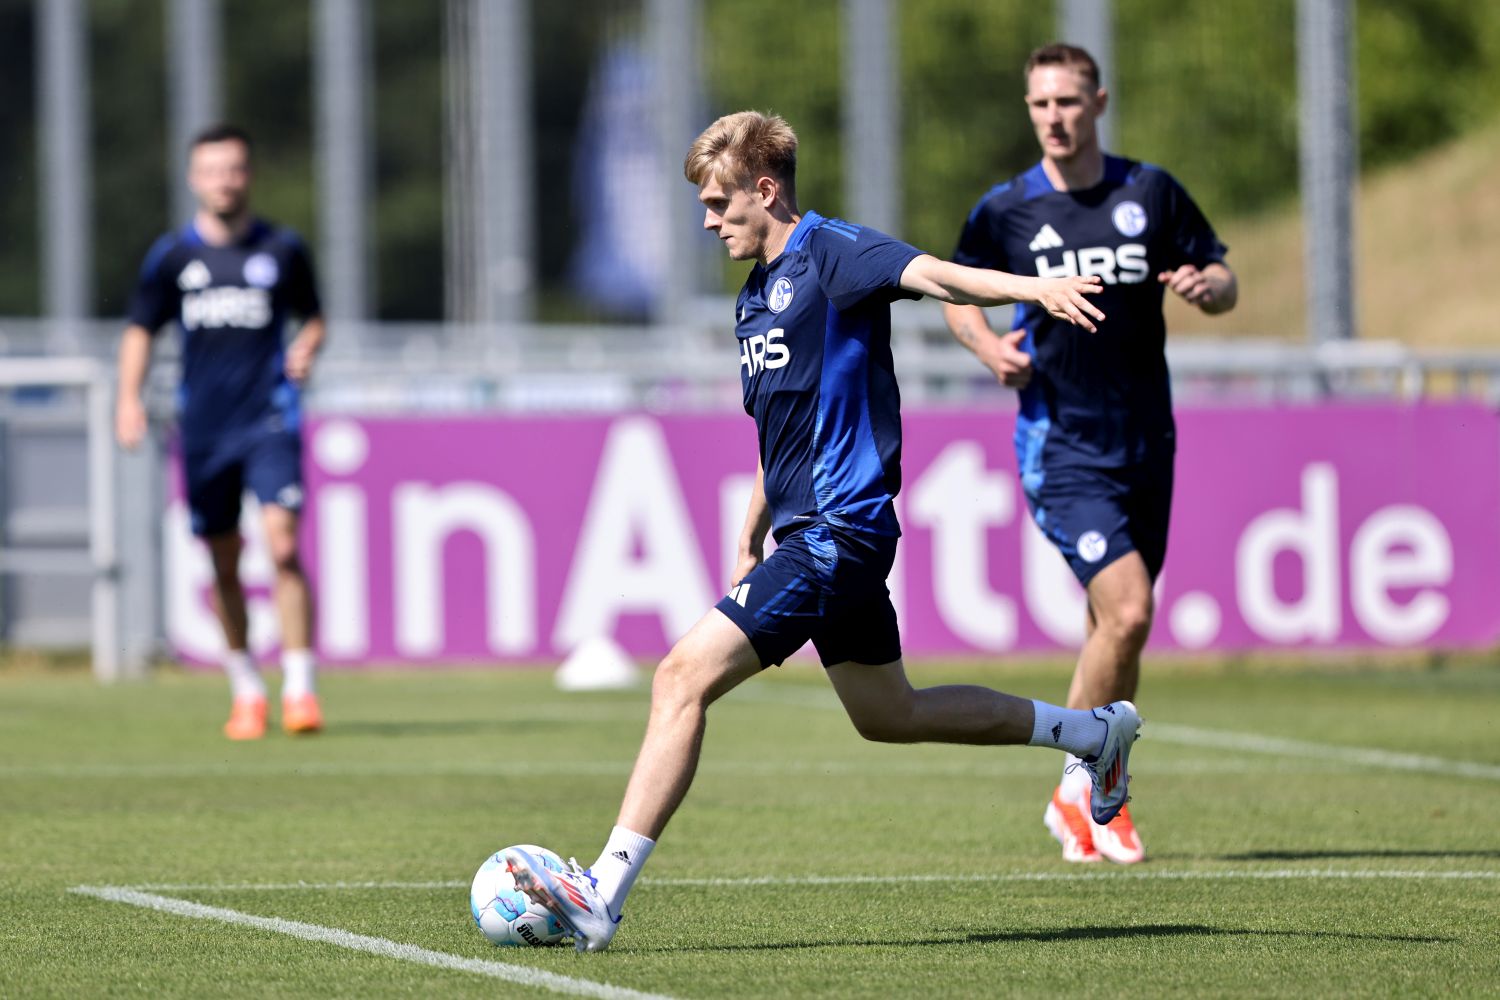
297,669
1075,782
244,679
620,862
1070,729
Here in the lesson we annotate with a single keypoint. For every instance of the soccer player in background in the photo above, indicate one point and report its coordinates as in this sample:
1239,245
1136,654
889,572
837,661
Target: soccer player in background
813,324
1095,438
231,280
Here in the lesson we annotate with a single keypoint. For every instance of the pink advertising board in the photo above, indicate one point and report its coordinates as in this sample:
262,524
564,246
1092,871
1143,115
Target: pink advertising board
512,539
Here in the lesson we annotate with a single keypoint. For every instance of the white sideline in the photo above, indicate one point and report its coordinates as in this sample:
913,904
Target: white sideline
1250,874
519,974
1219,739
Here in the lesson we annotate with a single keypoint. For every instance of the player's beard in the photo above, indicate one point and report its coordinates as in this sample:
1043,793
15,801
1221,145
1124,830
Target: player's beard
233,211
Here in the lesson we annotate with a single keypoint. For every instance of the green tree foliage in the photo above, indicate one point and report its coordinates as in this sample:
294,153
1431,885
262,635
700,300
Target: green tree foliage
1210,97
129,135
1427,69
20,220
964,120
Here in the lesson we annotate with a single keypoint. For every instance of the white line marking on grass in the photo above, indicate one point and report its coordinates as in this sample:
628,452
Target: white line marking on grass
1148,876
315,769
519,974
1362,756
1252,874
1218,739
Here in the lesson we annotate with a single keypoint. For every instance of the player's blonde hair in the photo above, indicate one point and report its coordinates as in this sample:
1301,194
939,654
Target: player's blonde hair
740,147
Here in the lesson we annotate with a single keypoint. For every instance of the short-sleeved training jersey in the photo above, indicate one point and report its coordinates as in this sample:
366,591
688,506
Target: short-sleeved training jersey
815,364
232,303
1095,399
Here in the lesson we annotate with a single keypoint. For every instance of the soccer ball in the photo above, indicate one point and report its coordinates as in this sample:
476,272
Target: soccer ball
503,913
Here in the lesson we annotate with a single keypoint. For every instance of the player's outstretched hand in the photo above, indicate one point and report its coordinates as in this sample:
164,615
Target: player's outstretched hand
1065,299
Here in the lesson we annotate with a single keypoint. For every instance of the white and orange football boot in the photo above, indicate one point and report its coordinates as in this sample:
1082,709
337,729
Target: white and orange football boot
247,719
1069,823
1117,839
301,714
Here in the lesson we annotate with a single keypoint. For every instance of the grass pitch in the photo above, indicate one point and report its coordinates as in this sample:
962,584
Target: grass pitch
1310,833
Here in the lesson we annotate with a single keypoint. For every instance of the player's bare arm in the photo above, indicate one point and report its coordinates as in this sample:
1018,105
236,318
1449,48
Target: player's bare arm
130,411
999,352
1213,289
752,548
1064,298
304,348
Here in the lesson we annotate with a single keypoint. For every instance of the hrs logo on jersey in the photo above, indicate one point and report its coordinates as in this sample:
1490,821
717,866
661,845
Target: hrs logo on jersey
214,308
1122,265
758,353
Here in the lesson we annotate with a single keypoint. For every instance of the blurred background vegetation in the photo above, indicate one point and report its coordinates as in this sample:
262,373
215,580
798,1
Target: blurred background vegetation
1207,90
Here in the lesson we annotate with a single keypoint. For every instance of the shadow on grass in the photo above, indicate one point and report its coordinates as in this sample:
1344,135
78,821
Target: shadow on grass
1316,855
1071,934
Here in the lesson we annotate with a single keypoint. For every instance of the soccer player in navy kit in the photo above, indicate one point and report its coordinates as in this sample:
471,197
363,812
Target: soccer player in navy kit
1095,438
231,281
816,368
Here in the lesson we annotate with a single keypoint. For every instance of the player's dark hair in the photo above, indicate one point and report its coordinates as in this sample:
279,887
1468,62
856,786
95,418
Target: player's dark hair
221,132
740,147
1062,54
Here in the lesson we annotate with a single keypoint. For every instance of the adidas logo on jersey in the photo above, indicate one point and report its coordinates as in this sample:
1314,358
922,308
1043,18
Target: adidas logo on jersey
194,276
740,594
1046,239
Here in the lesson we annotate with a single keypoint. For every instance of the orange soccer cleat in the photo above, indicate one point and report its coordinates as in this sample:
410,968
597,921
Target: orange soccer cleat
1069,822
301,714
247,719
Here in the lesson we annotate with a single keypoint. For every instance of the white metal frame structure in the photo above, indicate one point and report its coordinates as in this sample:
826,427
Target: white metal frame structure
101,559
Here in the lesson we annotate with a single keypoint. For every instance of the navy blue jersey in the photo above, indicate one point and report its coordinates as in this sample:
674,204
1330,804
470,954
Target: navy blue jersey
232,303
1098,399
815,364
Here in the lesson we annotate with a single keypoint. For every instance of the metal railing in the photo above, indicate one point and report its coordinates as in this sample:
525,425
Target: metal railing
98,559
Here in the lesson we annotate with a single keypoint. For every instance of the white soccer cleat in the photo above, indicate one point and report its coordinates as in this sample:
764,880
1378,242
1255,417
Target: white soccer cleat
1118,840
571,896
1109,769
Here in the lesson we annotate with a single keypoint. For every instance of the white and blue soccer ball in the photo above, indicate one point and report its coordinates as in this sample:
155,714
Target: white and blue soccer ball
503,913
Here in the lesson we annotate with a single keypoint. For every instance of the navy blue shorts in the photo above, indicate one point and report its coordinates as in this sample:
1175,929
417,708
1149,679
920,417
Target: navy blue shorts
269,464
825,584
1095,516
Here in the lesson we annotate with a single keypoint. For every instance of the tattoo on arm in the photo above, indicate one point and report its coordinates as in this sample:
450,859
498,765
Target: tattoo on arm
968,335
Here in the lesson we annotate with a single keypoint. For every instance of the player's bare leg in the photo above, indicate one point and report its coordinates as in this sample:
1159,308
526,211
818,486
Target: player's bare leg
707,663
884,707
229,596
247,717
293,599
301,712
1121,606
